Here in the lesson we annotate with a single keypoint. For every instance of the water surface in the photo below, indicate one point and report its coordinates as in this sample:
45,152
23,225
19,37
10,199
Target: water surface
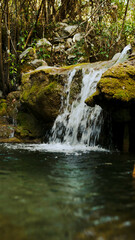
49,195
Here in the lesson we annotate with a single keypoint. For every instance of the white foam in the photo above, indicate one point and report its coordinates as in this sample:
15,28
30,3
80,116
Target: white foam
54,147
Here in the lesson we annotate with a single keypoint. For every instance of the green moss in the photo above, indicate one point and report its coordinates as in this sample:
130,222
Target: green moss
120,71
3,107
27,125
49,88
90,100
25,77
118,82
53,70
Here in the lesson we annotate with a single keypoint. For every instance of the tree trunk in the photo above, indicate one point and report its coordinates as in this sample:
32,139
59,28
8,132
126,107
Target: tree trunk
8,46
1,56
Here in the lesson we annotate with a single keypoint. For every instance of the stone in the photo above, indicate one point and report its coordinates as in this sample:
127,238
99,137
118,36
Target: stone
117,86
28,54
43,43
37,63
71,57
70,50
13,103
77,37
41,92
115,93
28,126
63,24
70,29
59,48
69,42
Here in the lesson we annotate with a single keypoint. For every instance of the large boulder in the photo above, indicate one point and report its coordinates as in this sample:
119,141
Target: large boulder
116,89
41,93
43,89
116,94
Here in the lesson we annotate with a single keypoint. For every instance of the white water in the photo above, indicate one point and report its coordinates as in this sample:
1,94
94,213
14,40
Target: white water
57,147
78,123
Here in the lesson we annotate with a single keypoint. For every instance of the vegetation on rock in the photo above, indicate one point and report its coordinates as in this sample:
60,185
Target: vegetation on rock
116,85
42,94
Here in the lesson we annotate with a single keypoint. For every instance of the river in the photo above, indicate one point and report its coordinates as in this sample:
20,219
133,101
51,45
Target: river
65,195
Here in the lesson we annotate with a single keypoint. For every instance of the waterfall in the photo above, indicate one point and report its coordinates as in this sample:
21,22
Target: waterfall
78,124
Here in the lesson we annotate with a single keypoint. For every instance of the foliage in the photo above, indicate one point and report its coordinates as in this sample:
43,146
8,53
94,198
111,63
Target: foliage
108,26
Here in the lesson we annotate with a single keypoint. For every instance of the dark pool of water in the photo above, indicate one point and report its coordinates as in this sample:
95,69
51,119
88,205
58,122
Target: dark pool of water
59,196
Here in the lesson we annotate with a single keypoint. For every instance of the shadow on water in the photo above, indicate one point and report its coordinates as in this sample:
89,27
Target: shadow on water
59,196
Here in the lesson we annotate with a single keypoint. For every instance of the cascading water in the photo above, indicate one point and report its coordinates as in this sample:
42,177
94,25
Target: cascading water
79,124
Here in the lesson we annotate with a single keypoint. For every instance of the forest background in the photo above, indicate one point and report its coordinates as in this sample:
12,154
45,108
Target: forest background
108,26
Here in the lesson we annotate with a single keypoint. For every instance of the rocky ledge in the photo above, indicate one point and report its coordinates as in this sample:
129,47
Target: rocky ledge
115,93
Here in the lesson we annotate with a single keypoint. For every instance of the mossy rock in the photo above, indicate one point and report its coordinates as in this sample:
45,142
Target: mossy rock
10,140
6,130
117,85
27,126
119,82
41,92
3,107
13,104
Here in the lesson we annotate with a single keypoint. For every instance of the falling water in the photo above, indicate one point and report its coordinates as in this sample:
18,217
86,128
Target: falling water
73,125
78,123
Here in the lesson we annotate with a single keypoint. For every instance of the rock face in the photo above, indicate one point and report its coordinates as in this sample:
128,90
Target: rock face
6,126
41,93
116,94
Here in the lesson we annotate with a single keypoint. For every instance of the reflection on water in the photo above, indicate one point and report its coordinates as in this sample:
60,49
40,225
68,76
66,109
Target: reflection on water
59,196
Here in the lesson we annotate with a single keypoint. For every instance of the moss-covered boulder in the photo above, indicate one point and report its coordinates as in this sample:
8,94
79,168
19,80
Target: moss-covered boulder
41,93
116,94
116,89
17,125
27,127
